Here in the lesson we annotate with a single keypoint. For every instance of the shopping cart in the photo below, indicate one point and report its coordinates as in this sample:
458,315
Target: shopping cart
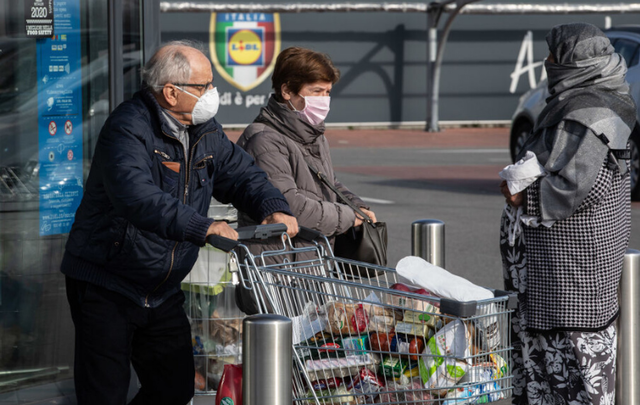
373,340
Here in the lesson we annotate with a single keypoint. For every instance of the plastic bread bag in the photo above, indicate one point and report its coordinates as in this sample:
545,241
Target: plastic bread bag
417,271
381,319
438,371
346,319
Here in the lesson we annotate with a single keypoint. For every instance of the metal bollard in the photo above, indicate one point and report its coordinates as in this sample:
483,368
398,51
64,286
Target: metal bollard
427,240
628,362
266,360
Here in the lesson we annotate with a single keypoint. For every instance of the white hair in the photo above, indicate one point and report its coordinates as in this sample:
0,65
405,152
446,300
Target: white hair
168,65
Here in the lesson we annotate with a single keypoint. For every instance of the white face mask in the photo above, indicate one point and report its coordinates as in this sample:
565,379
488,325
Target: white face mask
316,109
206,107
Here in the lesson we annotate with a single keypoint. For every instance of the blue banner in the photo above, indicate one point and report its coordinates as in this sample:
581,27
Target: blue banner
60,120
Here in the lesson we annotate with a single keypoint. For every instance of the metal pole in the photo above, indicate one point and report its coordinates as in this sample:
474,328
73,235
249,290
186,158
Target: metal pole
427,240
266,360
628,362
116,79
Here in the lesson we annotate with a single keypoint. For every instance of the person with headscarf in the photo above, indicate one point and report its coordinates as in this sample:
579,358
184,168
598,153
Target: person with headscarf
575,220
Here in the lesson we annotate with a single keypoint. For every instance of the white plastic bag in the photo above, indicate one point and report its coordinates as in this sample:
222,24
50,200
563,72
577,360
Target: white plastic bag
417,271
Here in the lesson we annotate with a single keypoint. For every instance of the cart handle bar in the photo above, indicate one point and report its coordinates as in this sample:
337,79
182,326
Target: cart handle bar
259,232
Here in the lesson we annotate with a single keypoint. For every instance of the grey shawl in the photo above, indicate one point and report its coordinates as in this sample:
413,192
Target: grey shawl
587,86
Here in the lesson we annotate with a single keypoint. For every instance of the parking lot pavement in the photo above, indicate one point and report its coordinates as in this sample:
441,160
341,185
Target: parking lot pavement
408,138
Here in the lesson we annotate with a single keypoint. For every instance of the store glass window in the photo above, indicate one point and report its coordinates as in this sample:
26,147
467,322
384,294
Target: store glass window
54,99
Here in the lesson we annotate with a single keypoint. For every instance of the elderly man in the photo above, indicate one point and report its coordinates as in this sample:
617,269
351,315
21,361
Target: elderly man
159,159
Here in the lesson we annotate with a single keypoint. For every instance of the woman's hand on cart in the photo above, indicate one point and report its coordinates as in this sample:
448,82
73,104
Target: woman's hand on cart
281,218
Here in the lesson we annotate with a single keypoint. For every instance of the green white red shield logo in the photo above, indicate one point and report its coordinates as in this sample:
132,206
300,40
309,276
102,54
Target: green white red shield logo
244,46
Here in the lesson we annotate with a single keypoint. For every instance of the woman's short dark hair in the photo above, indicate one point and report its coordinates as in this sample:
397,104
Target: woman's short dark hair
297,66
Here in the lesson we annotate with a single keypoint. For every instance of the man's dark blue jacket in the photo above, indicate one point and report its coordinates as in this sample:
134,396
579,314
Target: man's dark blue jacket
140,223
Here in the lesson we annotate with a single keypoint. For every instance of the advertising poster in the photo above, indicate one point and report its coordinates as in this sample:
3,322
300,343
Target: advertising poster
60,120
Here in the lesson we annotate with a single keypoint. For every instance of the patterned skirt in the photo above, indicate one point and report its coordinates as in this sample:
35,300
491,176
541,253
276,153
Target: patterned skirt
556,367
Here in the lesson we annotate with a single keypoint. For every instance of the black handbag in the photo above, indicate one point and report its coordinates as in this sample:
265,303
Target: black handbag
365,243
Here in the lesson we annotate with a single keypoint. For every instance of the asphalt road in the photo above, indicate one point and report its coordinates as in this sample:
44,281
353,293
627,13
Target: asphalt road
456,183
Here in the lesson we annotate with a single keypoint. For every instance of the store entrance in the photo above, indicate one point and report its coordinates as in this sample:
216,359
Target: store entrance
55,94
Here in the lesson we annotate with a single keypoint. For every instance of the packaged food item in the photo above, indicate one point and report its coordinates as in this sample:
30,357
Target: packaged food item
416,346
366,385
198,346
393,367
381,319
440,372
230,388
413,371
480,372
338,367
321,346
342,396
476,394
325,388
355,345
346,319
501,365
409,393
225,330
200,382
411,303
485,334
383,342
414,391
413,329
320,394
422,318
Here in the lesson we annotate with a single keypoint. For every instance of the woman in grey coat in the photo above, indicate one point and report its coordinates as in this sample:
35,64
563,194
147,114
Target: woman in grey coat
288,136
566,264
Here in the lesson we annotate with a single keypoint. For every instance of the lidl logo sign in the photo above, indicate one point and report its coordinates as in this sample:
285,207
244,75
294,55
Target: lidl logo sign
244,47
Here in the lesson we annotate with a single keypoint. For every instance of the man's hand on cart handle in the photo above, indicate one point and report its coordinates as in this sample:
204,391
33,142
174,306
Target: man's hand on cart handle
281,218
223,229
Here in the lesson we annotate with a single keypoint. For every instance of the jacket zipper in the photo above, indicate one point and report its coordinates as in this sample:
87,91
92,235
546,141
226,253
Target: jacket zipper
184,200
202,160
193,147
161,153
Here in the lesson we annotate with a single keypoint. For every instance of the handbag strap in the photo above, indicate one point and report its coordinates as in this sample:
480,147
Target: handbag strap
324,179
340,194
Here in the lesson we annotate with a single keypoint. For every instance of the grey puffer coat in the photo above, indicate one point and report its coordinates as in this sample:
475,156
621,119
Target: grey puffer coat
280,141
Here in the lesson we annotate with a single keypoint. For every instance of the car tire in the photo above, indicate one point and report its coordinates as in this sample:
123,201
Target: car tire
634,165
519,135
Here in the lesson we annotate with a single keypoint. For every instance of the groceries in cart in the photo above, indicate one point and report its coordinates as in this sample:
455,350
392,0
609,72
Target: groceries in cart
400,345
413,335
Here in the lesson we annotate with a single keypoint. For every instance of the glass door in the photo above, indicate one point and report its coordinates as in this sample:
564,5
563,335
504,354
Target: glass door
54,99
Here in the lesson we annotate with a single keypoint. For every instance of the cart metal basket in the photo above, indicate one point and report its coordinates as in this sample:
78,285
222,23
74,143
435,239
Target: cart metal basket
364,340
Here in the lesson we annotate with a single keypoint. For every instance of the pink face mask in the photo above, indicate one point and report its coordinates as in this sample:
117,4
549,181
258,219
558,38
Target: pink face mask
315,109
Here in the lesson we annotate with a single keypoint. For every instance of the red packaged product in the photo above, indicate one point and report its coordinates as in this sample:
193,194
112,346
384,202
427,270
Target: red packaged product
230,387
366,383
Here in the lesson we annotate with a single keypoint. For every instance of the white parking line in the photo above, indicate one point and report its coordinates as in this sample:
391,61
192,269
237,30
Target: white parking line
464,150
376,201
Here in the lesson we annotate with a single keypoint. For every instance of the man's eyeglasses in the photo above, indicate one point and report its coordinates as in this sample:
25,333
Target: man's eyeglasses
200,86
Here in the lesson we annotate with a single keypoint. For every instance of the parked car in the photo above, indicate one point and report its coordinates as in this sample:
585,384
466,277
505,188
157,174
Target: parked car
626,41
